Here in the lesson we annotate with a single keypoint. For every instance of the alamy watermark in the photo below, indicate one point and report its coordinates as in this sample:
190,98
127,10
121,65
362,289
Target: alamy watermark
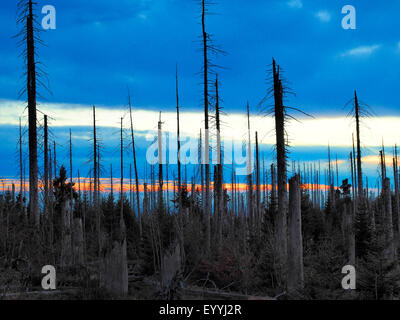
163,150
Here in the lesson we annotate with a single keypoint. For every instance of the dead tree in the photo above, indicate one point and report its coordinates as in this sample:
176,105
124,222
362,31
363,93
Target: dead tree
160,167
21,175
29,36
249,171
281,116
258,195
348,218
281,221
396,191
390,250
273,189
358,111
295,239
178,137
46,169
359,170
135,167
95,167
205,48
218,183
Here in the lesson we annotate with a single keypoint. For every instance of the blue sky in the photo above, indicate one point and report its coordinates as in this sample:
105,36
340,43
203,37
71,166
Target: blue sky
101,47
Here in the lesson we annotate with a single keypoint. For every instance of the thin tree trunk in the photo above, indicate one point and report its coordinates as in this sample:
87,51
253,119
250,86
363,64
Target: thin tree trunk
257,184
135,167
22,182
390,251
46,170
249,180
281,221
359,171
206,133
31,90
160,167
95,199
295,243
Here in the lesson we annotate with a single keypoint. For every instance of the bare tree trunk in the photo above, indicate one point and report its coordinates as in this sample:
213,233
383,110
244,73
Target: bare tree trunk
355,173
178,138
21,175
273,188
51,202
206,133
55,159
79,242
95,199
295,243
257,185
46,170
201,169
281,221
218,184
350,235
397,198
359,171
136,172
31,90
352,181
249,181
160,167
71,194
390,251
66,239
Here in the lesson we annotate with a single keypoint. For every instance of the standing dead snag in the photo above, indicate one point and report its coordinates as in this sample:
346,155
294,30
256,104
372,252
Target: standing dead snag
281,115
295,243
46,170
218,181
358,111
178,137
348,218
135,167
249,171
390,250
95,194
396,190
206,133
281,219
160,167
359,171
258,195
21,175
29,35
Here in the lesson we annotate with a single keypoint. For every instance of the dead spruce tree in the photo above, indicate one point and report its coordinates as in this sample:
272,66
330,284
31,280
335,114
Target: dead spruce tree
250,208
281,116
295,239
207,48
29,39
359,111
135,165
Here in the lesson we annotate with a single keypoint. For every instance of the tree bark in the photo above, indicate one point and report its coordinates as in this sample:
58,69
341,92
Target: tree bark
281,219
295,243
31,90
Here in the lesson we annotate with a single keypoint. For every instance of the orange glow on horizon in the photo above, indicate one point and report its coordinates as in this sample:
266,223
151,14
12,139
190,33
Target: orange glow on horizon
86,185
